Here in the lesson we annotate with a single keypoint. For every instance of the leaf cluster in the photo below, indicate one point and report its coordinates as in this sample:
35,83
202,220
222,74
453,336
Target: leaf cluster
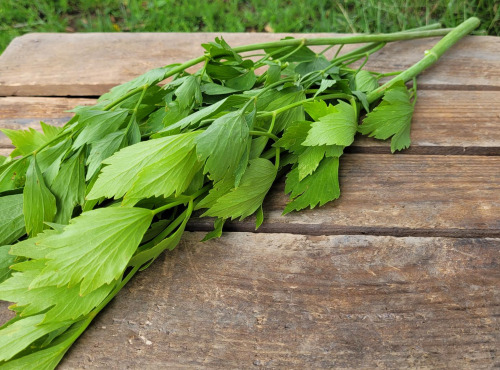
85,206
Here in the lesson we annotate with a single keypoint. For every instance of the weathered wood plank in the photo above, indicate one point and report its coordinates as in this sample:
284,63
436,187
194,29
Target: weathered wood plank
22,113
402,195
91,63
445,122
294,301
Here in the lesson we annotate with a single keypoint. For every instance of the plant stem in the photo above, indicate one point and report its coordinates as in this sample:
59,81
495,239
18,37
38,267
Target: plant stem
182,199
293,51
354,39
431,57
271,153
170,205
124,97
261,92
273,120
296,104
267,134
277,160
34,152
136,108
362,51
144,256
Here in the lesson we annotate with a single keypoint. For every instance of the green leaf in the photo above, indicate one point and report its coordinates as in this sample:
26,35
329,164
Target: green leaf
50,131
401,140
258,145
243,163
47,358
217,231
69,187
309,160
210,88
392,117
49,160
363,99
320,187
242,82
222,144
220,48
259,217
25,141
5,261
219,189
222,72
204,113
11,218
97,124
303,54
133,133
32,247
39,203
117,178
174,113
170,174
145,257
57,303
189,92
111,237
319,62
325,84
318,108
337,128
287,97
196,183
17,336
365,82
247,198
154,123
334,150
103,149
273,73
293,136
151,77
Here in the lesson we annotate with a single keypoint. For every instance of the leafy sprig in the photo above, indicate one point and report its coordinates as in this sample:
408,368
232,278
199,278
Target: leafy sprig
86,206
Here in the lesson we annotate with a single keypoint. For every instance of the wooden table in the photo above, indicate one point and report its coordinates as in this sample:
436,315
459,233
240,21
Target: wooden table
402,271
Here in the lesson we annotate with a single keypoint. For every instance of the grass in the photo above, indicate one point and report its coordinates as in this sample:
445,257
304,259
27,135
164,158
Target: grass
22,16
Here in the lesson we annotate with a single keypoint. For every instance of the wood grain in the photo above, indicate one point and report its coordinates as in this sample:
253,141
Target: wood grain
445,122
290,301
88,64
402,195
21,113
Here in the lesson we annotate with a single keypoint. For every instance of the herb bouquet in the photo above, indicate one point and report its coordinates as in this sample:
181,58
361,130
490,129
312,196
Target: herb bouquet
86,206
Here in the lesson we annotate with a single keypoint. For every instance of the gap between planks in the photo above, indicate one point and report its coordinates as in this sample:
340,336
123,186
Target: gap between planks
206,225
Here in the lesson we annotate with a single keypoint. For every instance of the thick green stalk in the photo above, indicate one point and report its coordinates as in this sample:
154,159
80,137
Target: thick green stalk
431,56
354,39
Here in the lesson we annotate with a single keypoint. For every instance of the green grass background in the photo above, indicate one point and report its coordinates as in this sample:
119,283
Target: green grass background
22,16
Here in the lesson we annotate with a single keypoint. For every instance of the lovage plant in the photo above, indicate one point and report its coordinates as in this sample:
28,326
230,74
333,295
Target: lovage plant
85,206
